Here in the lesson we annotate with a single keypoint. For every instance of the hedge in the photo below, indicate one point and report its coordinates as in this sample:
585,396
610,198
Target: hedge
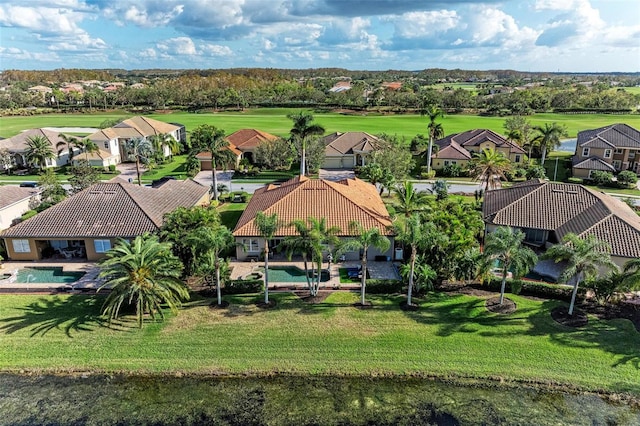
243,286
384,286
530,288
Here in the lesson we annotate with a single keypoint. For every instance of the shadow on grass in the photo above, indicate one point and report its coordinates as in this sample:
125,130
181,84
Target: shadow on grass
229,218
70,314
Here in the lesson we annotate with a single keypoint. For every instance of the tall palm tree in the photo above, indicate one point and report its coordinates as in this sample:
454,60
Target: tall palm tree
364,239
38,151
410,200
145,273
161,140
208,243
489,167
436,131
585,257
548,137
267,226
209,139
415,234
505,246
71,143
302,129
139,150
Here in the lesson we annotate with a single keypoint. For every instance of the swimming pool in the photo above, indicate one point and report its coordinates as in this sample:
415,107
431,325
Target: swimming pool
47,274
292,274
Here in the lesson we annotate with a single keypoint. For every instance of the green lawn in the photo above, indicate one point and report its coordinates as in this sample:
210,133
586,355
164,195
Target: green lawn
275,121
230,213
451,335
175,168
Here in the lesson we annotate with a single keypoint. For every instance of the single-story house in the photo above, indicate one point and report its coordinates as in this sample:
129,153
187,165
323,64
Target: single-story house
87,224
460,147
17,147
15,201
547,211
348,150
112,139
613,149
300,198
247,140
205,159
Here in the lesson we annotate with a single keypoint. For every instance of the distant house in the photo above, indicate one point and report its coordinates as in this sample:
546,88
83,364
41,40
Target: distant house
611,149
460,147
547,211
392,85
112,139
341,86
14,202
87,224
300,198
17,147
348,150
242,143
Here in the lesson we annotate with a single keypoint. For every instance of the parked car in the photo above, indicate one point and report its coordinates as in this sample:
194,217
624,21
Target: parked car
29,184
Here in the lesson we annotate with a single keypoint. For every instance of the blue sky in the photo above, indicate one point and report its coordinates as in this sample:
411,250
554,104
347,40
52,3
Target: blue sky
525,35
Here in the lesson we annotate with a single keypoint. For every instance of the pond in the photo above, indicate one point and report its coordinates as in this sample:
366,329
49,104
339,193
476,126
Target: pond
160,400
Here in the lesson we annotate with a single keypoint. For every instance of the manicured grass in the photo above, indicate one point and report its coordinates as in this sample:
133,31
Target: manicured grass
275,121
230,213
451,335
176,168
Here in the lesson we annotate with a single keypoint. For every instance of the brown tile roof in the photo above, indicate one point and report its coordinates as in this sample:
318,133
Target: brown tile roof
147,126
18,143
614,136
348,142
452,151
564,208
244,139
594,163
11,194
300,198
473,138
110,209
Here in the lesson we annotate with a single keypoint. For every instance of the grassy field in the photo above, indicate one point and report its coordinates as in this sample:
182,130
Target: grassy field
451,335
275,121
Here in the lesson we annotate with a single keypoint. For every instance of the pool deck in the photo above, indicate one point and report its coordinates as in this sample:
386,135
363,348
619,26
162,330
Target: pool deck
89,282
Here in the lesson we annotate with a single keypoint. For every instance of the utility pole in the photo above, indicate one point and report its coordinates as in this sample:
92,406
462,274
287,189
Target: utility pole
555,172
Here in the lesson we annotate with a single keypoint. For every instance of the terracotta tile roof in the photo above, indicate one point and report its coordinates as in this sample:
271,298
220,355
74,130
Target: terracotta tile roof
452,151
564,208
18,143
594,163
101,154
614,136
300,198
348,142
476,137
11,194
147,126
244,139
207,156
110,209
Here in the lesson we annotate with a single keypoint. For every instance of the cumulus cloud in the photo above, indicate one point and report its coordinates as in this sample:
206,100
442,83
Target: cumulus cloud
23,55
177,46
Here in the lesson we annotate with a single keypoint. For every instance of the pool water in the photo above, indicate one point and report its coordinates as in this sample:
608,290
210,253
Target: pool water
47,275
291,274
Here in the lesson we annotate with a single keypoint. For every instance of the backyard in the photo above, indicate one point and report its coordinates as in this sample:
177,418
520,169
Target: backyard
451,335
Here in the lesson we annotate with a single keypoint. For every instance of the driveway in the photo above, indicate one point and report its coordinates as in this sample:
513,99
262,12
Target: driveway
336,174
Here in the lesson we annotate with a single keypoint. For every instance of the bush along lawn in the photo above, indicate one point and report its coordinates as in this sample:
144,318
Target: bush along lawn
450,335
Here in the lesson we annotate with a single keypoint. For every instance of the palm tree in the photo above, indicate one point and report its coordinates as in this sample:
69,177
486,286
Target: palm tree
267,226
38,151
209,139
505,246
139,150
632,273
410,200
548,137
585,257
144,273
208,243
364,239
415,234
161,140
70,143
436,131
489,167
302,129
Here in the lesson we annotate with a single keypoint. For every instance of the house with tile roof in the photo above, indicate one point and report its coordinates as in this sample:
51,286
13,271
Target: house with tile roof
338,202
15,201
87,224
348,150
242,143
547,211
613,149
17,147
460,147
112,139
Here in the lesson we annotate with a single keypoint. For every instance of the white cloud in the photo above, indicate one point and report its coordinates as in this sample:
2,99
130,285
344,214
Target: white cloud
19,54
148,53
421,24
177,46
215,50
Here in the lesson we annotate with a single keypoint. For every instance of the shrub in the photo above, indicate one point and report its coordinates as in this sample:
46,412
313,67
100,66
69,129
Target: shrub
537,289
112,168
535,172
384,286
242,286
29,213
451,170
627,179
601,178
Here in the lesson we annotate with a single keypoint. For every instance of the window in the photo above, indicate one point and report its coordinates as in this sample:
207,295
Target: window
106,145
632,155
446,162
102,246
535,236
517,158
21,246
250,245
585,152
616,164
619,151
607,153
